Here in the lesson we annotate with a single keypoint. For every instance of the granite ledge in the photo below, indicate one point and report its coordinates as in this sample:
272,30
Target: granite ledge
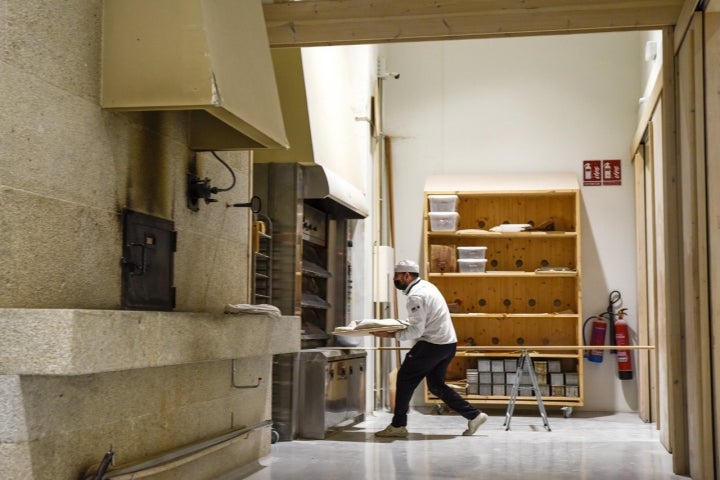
82,342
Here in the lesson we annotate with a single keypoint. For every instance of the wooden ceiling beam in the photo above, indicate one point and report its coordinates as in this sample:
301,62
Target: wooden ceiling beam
343,22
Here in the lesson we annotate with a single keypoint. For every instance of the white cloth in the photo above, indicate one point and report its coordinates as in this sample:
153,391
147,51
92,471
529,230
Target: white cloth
511,227
365,327
263,309
428,315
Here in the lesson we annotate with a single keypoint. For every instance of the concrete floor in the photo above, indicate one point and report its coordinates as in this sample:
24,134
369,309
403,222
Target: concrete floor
584,446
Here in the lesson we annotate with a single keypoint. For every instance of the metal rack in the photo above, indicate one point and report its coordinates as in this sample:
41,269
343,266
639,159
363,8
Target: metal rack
262,259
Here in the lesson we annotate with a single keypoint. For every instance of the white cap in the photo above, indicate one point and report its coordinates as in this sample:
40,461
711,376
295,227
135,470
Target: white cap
404,266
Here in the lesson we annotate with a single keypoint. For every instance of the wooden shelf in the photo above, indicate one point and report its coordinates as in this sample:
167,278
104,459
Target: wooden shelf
512,352
506,273
515,315
488,234
521,400
529,296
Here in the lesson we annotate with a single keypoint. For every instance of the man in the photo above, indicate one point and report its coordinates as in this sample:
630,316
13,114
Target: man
430,324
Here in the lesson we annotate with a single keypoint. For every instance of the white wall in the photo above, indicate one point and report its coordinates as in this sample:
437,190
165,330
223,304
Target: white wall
340,83
525,105
340,86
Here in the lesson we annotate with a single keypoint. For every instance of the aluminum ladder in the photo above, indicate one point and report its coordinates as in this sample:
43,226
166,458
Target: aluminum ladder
525,363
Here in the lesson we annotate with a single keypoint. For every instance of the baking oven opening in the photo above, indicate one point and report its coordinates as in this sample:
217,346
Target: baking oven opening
311,211
316,302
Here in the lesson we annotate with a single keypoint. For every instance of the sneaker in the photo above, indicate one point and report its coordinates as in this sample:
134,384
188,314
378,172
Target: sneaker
475,423
392,432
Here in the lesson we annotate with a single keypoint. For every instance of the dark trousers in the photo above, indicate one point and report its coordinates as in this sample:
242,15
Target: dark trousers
430,361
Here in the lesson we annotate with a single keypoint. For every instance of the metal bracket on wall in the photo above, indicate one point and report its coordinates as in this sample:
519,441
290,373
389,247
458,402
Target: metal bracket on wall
197,189
234,383
255,204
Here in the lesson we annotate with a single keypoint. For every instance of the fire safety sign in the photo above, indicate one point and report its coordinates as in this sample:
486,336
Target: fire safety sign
602,172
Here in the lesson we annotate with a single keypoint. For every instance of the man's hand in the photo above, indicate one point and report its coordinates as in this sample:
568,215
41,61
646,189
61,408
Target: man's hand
384,334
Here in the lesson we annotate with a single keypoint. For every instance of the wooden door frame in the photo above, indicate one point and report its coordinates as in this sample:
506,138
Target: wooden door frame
712,152
644,294
694,320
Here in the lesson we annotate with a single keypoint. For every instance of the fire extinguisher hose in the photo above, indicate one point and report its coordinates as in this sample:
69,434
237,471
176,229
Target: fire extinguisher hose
592,317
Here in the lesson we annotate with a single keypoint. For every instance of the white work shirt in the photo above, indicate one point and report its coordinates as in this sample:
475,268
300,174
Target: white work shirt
428,315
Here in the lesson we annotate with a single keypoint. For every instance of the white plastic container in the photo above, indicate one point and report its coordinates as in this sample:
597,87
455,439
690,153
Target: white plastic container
471,265
443,221
471,252
443,203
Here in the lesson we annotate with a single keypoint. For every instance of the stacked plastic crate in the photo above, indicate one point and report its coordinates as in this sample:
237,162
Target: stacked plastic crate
443,213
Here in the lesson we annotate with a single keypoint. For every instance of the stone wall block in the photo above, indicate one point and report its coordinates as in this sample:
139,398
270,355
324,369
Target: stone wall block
57,254
54,144
58,42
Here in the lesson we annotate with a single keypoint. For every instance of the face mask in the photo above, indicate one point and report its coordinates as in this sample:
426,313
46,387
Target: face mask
400,285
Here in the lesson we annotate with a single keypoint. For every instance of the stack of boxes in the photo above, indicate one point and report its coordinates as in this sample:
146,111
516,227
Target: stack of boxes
471,259
444,218
443,213
553,382
541,372
493,375
497,367
472,381
572,384
497,376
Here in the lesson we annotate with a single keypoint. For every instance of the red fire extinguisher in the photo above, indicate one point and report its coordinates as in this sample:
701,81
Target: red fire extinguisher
622,339
597,338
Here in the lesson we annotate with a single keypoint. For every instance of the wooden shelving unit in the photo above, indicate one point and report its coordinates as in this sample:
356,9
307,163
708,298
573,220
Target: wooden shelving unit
529,295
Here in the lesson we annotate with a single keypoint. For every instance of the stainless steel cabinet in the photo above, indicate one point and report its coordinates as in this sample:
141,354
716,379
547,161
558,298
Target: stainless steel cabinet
332,391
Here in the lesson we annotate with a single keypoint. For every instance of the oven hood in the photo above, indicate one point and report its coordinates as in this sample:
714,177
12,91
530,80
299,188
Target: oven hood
332,193
321,187
209,57
288,68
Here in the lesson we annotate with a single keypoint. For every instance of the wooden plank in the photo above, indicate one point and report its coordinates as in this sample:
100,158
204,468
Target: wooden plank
646,112
713,6
337,22
659,293
669,270
695,330
712,112
701,295
515,294
684,21
534,350
664,119
653,152
516,315
642,284
515,332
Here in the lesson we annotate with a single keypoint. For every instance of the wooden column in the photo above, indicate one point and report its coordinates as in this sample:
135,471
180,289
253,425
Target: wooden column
712,139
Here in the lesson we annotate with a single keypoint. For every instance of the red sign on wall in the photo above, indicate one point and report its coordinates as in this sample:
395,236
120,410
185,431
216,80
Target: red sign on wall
602,172
612,172
592,173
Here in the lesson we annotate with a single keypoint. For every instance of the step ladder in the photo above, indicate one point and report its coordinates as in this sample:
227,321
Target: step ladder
525,363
